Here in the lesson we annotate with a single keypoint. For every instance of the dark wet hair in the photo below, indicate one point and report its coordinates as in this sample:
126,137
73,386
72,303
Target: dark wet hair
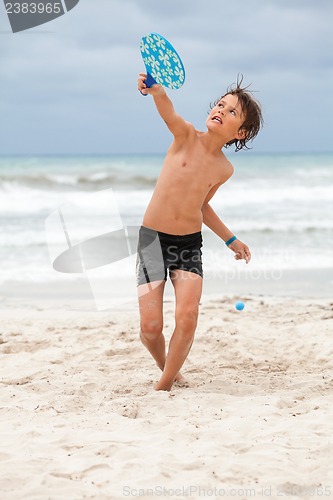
251,109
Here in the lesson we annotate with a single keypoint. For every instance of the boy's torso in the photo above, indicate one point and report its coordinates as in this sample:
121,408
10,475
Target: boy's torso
187,176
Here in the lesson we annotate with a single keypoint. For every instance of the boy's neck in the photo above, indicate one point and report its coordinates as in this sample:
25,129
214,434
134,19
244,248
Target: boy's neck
212,143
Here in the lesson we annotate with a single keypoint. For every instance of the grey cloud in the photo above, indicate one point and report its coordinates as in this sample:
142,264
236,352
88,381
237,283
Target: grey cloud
78,81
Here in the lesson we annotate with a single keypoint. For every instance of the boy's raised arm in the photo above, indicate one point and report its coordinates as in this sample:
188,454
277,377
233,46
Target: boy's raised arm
175,123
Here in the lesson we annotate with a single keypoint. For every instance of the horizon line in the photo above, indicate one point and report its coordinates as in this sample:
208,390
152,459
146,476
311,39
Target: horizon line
4,155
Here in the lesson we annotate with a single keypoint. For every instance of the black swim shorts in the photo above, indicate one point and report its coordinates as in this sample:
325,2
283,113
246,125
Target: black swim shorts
158,252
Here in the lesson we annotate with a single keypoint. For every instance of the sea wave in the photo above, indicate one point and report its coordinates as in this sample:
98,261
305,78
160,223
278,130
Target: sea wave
34,238
67,182
278,204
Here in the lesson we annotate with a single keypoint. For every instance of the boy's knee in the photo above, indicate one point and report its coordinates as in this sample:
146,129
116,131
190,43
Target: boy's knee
151,327
187,318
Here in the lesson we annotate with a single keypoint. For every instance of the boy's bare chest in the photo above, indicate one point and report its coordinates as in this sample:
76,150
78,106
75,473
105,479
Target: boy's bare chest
195,168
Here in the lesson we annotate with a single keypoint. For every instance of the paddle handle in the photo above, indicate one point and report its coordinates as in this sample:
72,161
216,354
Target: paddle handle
149,81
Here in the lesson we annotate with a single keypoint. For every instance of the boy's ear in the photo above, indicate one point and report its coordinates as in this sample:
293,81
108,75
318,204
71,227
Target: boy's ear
242,133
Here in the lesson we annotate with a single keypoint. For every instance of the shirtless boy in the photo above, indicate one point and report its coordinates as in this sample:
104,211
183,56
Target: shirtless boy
193,170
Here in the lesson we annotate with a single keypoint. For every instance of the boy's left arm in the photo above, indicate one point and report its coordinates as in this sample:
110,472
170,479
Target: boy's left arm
212,220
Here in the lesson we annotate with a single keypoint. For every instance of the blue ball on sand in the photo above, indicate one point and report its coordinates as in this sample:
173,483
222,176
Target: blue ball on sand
239,305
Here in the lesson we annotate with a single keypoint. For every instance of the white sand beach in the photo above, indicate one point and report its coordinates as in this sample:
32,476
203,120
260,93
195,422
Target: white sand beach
80,417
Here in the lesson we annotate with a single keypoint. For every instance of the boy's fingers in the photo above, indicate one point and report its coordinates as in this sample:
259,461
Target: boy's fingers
142,87
144,90
141,79
246,255
243,253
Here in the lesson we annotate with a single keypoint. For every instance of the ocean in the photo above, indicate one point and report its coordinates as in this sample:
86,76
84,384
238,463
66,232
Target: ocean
281,205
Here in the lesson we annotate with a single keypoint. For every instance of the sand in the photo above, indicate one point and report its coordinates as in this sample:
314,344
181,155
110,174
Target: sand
80,417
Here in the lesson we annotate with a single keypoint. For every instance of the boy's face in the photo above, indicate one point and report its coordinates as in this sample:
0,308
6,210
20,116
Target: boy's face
226,118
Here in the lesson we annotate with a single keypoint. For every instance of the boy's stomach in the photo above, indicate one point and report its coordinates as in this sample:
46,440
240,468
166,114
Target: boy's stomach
178,220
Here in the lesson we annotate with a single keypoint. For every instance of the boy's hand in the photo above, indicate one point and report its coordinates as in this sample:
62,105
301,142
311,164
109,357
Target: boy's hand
154,90
241,250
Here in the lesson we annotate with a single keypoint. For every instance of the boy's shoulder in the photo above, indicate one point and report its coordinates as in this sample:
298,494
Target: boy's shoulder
227,168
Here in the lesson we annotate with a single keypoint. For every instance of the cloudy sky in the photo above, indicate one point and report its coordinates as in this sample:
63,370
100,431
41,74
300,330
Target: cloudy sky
69,86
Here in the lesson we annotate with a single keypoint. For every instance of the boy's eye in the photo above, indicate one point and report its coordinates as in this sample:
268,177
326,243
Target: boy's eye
233,112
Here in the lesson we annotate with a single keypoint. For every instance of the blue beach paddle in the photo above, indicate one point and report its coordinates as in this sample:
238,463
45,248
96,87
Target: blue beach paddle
163,64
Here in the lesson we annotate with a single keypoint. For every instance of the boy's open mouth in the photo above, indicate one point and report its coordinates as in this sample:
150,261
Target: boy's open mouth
217,119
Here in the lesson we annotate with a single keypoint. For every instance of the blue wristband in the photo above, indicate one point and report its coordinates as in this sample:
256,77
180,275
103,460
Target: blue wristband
231,240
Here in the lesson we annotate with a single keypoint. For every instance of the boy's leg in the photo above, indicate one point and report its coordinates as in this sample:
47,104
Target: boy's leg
151,320
188,289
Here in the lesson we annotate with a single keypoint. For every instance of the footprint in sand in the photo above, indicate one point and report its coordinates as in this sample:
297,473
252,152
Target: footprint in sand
129,410
24,346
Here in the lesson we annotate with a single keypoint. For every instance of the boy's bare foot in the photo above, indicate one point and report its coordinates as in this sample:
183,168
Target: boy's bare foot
180,381
162,386
178,378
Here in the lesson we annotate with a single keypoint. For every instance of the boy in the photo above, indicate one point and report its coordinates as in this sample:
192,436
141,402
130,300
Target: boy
170,235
